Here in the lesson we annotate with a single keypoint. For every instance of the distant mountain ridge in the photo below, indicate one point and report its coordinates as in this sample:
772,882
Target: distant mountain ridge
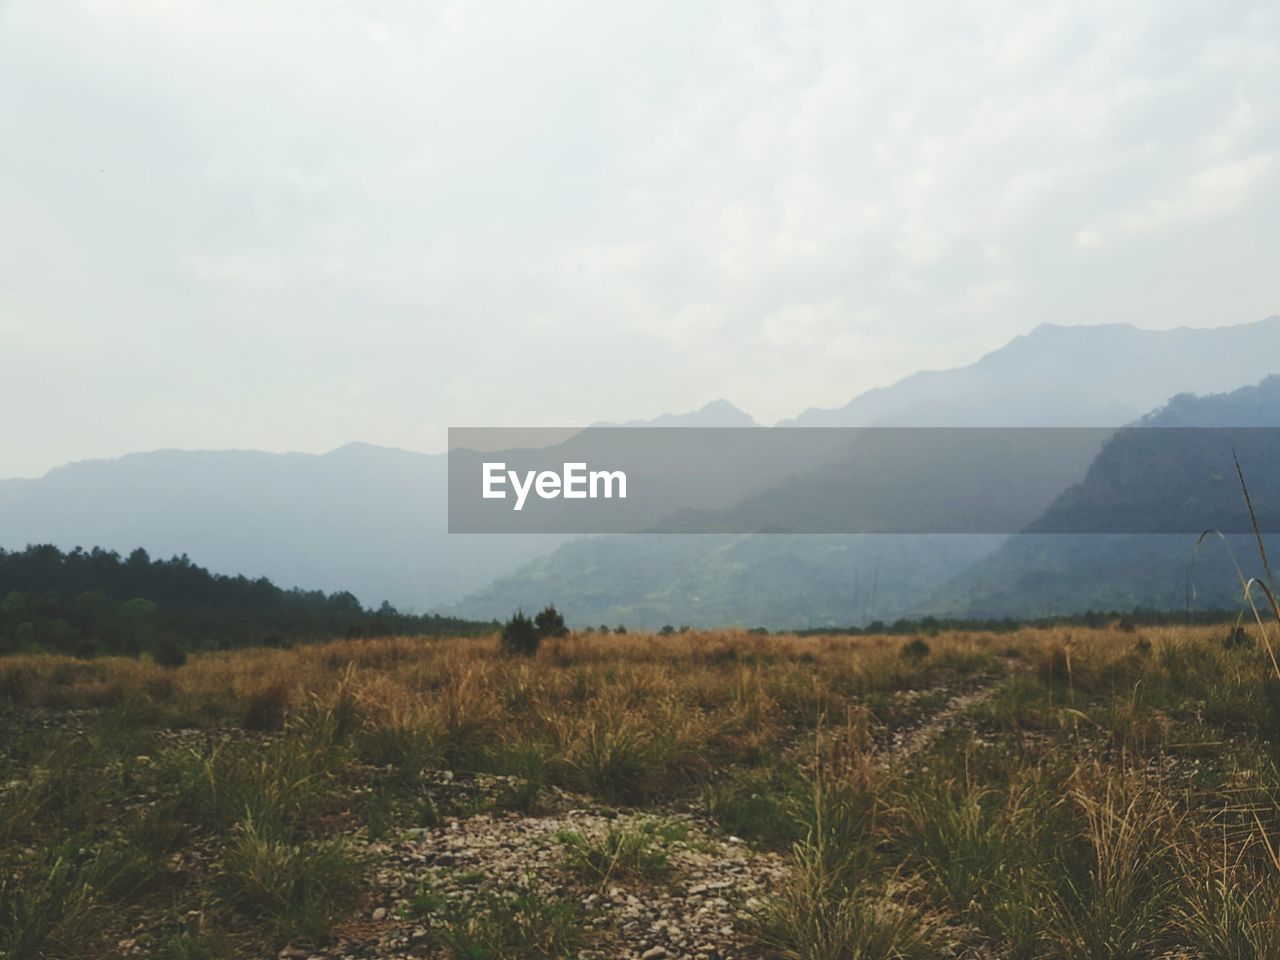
1055,376
1079,376
1036,574
372,519
361,517
717,413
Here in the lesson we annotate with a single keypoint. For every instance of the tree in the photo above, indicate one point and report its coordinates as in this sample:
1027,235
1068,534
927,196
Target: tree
550,623
169,654
915,650
139,618
97,602
519,636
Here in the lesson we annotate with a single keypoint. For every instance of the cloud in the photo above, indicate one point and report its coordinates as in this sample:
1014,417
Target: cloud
1216,192
298,224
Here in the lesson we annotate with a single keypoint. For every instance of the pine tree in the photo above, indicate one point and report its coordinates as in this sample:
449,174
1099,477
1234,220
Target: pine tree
519,636
550,623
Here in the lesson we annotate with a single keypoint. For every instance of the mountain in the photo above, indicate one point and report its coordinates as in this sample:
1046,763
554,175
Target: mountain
1157,477
703,580
1081,376
717,413
1100,376
363,518
372,520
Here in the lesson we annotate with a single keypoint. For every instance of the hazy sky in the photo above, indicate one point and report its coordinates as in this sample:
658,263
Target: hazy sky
287,225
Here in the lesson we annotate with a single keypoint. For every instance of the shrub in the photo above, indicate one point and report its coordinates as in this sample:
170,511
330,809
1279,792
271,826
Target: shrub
169,654
917,649
265,709
520,636
550,623
1237,639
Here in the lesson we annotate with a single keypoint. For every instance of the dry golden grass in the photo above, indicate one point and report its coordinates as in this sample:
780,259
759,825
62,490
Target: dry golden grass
1098,793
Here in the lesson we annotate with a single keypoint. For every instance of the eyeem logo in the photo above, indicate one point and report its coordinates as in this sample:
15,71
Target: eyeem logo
574,482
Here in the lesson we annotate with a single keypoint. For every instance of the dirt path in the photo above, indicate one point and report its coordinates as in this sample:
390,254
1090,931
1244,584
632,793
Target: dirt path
691,911
694,913
906,744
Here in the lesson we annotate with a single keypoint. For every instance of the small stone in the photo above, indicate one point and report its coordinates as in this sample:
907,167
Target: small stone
655,953
380,913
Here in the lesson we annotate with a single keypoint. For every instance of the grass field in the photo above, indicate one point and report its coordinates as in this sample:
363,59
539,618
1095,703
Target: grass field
1046,793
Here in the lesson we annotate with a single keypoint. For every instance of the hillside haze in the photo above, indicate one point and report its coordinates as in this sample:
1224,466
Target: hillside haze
1085,376
372,520
363,518
1037,574
1102,376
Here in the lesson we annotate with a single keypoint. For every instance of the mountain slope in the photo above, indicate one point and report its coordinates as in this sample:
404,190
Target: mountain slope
372,520
1055,376
717,413
1148,476
777,581
1084,376
364,518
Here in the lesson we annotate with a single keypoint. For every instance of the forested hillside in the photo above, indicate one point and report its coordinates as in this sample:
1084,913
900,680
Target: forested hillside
91,602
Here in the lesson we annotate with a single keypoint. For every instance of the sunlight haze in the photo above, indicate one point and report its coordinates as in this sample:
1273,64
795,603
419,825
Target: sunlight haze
288,225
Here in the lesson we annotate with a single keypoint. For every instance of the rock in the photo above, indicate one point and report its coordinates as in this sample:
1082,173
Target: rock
490,853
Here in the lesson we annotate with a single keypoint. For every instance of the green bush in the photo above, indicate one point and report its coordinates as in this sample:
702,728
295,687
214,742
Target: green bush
169,654
916,649
520,637
550,623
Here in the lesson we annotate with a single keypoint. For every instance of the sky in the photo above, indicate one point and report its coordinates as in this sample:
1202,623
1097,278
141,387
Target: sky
290,225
